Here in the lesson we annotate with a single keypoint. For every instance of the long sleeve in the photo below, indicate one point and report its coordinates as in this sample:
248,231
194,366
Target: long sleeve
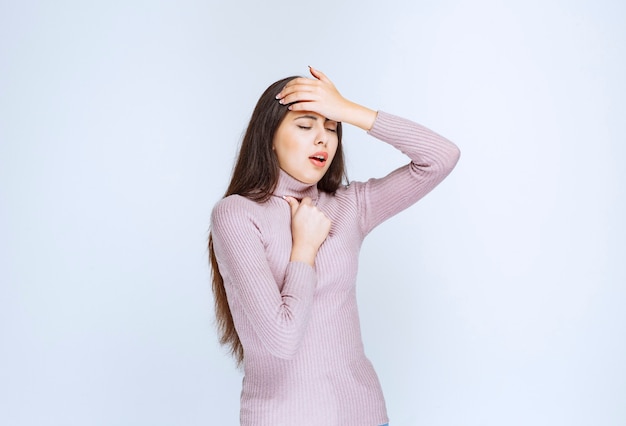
304,359
432,158
278,312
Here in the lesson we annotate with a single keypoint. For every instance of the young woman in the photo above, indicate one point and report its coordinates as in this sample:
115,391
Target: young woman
284,250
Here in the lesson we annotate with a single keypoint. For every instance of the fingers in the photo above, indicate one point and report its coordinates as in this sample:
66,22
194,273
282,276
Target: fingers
307,201
305,97
316,94
305,89
318,74
300,83
309,225
293,204
294,98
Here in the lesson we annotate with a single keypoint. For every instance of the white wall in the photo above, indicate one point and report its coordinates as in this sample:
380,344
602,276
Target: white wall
495,301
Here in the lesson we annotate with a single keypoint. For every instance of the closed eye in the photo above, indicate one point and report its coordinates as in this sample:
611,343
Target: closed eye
331,130
305,127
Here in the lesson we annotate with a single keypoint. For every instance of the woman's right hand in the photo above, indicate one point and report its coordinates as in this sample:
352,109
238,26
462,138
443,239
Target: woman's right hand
320,95
309,229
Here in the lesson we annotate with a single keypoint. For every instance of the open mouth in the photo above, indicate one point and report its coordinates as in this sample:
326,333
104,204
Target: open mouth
319,158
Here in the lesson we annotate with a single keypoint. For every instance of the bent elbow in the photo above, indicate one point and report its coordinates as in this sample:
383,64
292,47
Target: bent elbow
440,164
454,154
447,160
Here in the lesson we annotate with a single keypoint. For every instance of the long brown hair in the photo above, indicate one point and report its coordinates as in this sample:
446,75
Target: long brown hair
255,176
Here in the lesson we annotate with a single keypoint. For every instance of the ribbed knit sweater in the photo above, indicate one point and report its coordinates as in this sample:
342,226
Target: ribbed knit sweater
304,363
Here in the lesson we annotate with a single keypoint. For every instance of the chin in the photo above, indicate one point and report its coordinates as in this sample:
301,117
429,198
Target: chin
309,181
311,178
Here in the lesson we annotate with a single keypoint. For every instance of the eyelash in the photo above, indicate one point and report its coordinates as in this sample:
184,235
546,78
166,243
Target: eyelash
308,128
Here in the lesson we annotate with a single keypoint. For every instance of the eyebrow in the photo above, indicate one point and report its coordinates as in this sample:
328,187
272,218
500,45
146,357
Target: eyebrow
312,117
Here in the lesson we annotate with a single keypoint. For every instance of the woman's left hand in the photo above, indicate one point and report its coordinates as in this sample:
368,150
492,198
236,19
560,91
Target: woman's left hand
321,96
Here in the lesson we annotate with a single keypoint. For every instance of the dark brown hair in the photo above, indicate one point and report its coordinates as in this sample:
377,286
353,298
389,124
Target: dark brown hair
255,176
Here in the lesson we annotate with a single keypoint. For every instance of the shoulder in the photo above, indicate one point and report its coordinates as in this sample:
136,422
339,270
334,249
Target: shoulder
359,194
233,203
234,208
347,194
350,191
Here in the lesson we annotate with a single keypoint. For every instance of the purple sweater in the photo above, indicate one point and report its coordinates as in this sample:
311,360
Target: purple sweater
304,362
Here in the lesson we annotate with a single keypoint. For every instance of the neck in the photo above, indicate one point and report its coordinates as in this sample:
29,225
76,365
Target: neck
288,185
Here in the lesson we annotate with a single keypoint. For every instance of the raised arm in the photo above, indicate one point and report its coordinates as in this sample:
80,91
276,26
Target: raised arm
432,158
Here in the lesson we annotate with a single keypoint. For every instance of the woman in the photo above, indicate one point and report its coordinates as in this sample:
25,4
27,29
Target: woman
284,249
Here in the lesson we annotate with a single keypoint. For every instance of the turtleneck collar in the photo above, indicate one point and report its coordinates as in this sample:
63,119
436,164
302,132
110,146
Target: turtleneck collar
288,185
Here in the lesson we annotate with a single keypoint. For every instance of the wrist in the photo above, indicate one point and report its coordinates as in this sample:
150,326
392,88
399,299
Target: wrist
303,253
360,116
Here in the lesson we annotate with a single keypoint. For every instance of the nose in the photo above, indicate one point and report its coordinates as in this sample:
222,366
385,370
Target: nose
321,138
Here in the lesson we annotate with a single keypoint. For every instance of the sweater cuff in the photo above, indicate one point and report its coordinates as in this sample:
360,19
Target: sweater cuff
384,124
300,279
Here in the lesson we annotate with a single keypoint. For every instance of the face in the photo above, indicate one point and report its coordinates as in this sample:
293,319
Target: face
305,144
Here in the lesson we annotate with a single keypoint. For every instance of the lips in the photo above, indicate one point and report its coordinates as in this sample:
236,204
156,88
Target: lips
319,158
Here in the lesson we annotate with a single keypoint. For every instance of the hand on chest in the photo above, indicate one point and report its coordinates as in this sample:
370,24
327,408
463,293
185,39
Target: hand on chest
337,258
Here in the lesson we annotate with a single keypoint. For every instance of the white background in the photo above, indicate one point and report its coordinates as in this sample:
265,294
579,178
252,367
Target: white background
497,300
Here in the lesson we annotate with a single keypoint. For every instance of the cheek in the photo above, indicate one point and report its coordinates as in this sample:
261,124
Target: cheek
333,151
284,148
284,158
